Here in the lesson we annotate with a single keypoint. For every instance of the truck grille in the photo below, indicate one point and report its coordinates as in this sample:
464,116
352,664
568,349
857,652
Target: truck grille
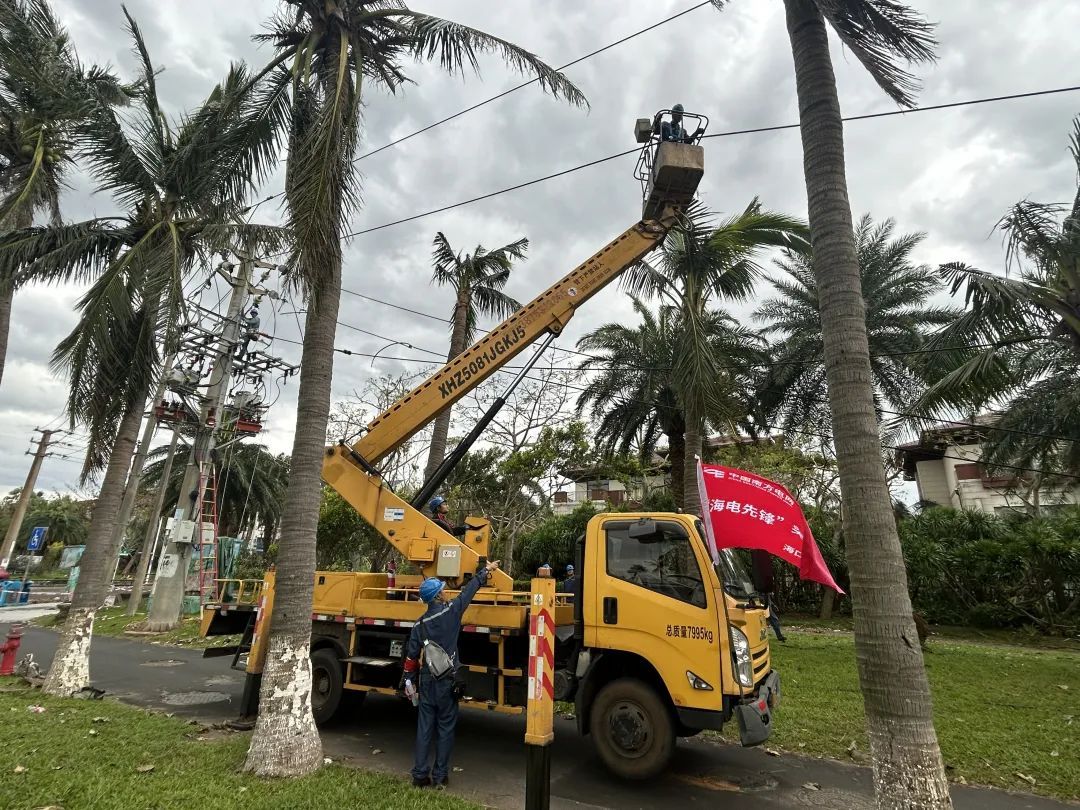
760,658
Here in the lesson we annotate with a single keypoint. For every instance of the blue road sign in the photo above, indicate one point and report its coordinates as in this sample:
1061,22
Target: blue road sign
37,538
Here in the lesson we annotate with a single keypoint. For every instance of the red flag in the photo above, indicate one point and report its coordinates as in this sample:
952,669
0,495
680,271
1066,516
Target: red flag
744,510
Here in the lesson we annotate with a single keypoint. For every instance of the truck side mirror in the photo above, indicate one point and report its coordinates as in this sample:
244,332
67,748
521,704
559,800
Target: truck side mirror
761,571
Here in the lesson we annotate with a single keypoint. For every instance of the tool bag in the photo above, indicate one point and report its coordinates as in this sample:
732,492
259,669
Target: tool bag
438,661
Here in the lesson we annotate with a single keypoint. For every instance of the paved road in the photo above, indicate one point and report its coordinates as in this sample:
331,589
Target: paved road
489,750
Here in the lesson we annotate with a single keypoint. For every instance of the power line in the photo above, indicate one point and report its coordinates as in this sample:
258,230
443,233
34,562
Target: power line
727,368
505,93
491,194
908,352
396,306
252,208
730,133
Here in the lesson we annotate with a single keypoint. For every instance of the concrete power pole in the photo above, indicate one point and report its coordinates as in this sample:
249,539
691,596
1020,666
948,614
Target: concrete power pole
153,526
169,585
24,499
127,506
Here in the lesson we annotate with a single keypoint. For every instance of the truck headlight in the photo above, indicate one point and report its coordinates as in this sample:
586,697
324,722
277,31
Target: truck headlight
743,669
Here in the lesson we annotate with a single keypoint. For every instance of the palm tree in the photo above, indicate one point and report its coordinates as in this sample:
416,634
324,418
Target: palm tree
251,483
477,280
331,48
882,35
45,93
698,264
1023,338
899,319
632,397
180,187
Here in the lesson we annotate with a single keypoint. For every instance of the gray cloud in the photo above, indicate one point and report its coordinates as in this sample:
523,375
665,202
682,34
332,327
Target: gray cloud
949,173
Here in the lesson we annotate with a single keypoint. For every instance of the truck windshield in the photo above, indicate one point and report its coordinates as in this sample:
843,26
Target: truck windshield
731,568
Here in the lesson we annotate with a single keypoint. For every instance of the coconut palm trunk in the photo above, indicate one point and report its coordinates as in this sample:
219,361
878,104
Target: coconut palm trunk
7,293
153,526
333,47
441,427
70,669
285,696
908,771
676,460
22,218
691,499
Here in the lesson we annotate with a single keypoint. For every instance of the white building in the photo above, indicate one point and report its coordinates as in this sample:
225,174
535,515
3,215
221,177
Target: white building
944,463
591,484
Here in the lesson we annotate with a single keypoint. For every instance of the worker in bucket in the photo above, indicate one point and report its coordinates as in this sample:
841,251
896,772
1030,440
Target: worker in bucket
440,511
431,663
674,130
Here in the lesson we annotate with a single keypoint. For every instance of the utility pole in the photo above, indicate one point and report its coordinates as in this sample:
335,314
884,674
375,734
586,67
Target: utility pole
169,585
135,475
24,499
150,538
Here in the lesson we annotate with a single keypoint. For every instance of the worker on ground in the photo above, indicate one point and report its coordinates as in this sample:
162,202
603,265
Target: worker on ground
431,663
570,584
439,511
674,130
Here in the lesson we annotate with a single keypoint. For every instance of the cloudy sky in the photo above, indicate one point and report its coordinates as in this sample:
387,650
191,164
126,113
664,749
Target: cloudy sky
950,173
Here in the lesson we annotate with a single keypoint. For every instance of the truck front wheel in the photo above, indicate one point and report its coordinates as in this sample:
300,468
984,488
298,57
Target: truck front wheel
326,685
632,729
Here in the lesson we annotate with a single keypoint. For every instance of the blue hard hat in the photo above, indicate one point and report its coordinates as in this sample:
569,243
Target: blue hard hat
546,565
436,502
430,588
569,569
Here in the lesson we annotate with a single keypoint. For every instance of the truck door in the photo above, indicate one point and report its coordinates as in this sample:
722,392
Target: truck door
655,596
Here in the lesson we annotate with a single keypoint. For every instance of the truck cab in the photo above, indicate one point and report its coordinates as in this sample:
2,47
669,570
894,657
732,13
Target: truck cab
669,643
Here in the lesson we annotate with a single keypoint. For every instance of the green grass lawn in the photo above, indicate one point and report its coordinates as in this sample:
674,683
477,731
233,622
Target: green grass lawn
1001,709
998,710
97,754
1028,637
115,622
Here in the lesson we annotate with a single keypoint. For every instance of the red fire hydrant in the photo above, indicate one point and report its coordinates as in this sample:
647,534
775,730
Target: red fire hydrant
10,649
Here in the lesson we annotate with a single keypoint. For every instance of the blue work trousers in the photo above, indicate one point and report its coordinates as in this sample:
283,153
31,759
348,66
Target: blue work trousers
438,711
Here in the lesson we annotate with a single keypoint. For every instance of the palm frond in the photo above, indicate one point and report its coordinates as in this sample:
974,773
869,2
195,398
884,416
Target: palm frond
457,47
154,120
881,34
493,303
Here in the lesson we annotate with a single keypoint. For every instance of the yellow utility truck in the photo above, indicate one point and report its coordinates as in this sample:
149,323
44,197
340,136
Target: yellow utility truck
656,642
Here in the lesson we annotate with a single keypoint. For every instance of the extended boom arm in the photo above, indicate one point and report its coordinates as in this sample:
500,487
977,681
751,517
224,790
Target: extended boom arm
673,172
548,312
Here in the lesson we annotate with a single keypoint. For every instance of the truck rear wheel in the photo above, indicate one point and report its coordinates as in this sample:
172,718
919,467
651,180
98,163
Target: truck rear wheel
326,685
632,729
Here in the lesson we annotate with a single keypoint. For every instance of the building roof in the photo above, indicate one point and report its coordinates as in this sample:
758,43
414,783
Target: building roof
934,441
